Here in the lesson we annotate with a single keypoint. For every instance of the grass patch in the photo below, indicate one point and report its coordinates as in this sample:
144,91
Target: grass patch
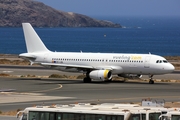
24,76
172,57
163,80
31,75
5,61
80,77
10,113
14,62
176,64
4,75
57,76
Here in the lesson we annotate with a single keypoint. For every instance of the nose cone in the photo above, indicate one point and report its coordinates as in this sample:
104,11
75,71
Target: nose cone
170,68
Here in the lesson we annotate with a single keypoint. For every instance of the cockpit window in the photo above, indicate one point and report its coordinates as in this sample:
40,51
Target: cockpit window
165,61
161,61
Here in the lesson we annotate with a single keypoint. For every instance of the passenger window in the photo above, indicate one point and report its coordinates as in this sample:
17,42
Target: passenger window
113,118
44,116
143,116
51,116
90,117
33,115
24,117
68,116
108,117
157,61
175,117
58,116
80,117
154,116
120,117
100,117
135,117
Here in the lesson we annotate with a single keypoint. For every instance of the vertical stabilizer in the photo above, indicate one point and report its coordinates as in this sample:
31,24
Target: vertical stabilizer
33,42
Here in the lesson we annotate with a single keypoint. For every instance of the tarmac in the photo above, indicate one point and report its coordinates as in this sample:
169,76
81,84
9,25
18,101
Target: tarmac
21,92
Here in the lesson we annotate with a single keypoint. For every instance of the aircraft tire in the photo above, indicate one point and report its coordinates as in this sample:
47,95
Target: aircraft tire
151,81
87,80
108,80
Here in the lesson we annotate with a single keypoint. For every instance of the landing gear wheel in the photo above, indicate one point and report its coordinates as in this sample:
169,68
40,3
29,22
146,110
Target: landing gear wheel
108,80
151,81
87,80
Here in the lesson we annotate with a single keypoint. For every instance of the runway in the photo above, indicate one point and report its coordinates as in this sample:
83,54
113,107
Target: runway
37,91
31,92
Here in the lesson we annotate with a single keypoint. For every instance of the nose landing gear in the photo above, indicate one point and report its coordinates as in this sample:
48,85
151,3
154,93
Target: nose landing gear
151,81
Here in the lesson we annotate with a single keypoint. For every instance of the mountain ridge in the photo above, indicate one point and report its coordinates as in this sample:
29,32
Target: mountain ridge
14,12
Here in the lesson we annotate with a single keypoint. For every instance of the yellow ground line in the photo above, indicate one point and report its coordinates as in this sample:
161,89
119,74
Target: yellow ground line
60,86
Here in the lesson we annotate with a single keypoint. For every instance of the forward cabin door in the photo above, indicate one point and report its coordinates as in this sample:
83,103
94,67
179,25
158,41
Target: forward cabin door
146,62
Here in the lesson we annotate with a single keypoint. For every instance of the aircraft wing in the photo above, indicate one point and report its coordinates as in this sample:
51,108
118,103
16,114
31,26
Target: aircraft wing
81,66
67,65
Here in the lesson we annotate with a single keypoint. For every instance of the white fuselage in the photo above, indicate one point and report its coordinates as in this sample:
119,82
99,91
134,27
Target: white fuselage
145,64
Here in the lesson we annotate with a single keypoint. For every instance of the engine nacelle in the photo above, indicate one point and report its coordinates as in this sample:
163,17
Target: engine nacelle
132,76
100,75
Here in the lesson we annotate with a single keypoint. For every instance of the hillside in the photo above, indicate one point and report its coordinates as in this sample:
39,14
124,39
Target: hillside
14,12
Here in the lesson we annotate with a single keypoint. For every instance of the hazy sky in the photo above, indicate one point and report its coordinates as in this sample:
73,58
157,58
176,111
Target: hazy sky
118,7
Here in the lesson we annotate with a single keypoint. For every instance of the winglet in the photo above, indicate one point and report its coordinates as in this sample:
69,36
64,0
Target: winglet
33,41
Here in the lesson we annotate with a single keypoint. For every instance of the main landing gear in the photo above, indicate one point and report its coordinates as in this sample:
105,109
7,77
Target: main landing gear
151,81
87,79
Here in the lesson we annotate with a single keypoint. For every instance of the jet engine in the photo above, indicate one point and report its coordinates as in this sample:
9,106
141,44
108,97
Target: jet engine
131,76
100,75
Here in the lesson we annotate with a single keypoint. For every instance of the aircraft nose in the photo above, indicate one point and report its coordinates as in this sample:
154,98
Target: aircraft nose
170,68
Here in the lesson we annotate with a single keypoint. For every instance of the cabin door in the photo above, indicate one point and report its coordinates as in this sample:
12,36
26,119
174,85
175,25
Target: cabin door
146,62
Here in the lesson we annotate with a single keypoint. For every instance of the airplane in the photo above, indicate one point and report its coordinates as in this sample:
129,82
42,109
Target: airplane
96,66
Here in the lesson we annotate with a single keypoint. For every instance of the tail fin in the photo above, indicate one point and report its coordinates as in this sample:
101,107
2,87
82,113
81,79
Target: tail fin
33,42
